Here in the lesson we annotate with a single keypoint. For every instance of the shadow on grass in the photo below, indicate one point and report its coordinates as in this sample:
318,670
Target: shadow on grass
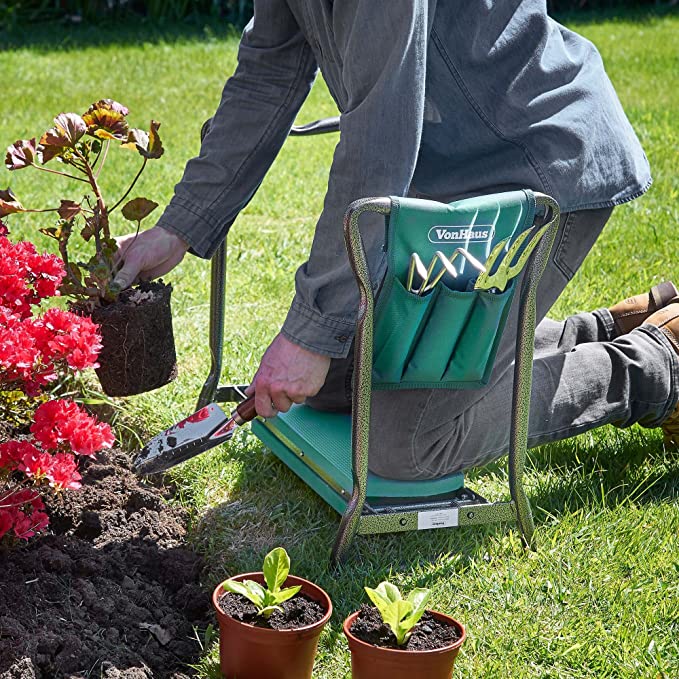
63,36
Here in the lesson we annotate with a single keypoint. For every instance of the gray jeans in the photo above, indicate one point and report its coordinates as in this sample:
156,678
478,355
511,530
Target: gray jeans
583,377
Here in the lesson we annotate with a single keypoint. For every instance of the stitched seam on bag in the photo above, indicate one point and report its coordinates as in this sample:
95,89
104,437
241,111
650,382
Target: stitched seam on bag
479,111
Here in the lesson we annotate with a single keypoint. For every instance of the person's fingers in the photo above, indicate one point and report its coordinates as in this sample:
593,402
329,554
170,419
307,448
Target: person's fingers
128,274
123,243
280,400
263,404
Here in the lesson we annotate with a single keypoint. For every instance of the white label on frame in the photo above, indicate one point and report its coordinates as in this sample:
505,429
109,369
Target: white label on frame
437,518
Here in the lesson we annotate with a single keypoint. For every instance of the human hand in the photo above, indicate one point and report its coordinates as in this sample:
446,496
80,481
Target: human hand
149,254
287,374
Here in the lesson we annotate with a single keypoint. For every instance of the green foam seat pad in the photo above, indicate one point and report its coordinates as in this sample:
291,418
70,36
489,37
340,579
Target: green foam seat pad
325,439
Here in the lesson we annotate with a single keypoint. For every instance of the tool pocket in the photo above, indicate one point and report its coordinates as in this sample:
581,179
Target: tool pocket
447,339
399,318
474,354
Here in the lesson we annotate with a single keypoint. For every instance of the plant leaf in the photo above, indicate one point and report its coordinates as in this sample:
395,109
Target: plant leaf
20,154
9,203
284,594
419,598
148,144
69,210
138,208
250,589
380,601
389,592
400,611
68,129
105,119
276,568
61,231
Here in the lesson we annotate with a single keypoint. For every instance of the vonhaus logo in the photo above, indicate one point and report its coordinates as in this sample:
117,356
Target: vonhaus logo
480,233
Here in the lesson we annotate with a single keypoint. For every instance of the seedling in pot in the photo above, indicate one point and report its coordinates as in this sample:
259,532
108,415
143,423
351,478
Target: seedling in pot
266,599
400,614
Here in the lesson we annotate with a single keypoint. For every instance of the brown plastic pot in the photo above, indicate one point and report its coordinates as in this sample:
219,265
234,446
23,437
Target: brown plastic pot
138,352
248,652
373,662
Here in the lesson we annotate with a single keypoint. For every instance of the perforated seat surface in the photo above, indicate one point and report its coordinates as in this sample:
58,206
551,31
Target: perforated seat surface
325,438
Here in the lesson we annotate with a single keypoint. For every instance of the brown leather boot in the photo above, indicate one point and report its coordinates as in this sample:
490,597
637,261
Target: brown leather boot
667,320
633,311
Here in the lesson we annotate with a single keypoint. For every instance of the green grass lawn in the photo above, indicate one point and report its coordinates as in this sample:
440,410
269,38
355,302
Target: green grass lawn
599,597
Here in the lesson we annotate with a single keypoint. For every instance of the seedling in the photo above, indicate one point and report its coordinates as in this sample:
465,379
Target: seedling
266,599
400,614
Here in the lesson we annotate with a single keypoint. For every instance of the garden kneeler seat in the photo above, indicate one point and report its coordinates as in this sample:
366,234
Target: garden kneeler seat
442,333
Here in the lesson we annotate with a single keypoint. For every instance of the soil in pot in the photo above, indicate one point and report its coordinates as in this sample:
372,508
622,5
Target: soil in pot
429,633
299,611
283,649
138,353
113,592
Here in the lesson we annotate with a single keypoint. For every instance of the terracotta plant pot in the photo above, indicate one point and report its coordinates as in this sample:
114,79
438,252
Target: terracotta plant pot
247,652
138,353
373,662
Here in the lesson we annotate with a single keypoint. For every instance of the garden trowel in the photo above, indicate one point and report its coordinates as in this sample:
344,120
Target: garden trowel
205,429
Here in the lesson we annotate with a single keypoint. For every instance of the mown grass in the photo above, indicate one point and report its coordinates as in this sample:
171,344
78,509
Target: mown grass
599,597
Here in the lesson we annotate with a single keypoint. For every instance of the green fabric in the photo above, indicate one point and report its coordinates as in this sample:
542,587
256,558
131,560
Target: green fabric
448,337
325,440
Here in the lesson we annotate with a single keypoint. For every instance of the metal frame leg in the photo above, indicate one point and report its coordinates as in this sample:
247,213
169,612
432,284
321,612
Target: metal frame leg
523,372
362,389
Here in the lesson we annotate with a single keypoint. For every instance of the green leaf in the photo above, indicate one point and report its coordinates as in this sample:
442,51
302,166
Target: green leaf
138,208
284,594
276,568
389,592
401,615
251,590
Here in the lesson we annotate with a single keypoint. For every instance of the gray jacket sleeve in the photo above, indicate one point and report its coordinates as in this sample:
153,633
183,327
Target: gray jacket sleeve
276,69
384,49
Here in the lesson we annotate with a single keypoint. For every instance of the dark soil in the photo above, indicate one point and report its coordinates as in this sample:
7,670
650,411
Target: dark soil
138,353
427,635
113,593
299,611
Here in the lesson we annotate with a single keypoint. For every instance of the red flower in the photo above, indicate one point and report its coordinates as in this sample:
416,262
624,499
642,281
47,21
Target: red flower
62,335
63,422
34,463
64,472
12,452
27,525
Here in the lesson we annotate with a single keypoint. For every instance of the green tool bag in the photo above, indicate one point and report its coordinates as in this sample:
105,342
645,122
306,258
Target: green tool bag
447,337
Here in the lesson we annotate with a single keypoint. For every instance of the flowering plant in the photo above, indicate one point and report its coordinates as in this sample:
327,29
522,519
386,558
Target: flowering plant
36,350
82,144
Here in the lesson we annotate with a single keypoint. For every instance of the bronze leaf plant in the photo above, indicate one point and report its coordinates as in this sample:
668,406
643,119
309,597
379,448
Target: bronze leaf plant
81,144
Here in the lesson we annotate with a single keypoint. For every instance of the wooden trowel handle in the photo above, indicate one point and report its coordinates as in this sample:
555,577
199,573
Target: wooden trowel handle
245,411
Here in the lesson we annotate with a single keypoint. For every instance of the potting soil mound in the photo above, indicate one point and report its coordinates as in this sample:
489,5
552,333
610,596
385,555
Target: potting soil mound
299,611
427,635
112,593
